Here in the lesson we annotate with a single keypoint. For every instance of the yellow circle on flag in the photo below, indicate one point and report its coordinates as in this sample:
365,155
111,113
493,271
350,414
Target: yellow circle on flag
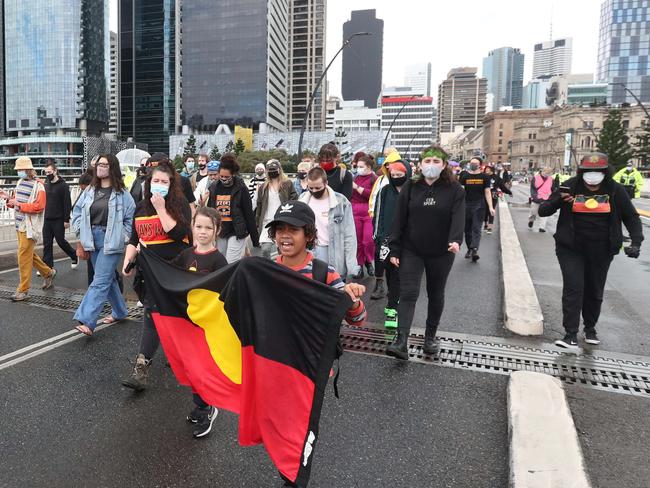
591,204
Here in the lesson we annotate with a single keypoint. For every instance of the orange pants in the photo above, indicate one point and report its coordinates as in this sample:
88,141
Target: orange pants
27,259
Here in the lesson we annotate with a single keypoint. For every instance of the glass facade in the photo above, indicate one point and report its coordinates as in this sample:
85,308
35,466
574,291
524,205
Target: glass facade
504,70
234,60
63,85
624,49
147,71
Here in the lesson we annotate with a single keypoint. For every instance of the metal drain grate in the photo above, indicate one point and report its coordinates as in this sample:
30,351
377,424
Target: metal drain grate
610,372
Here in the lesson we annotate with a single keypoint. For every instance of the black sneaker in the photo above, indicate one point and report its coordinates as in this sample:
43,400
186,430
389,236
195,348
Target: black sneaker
475,256
204,423
570,341
542,230
591,337
468,254
530,224
194,416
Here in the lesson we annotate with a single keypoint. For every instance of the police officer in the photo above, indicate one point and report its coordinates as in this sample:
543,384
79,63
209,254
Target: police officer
631,179
592,206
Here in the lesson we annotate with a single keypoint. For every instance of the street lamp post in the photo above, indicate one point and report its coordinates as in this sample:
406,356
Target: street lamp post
320,80
413,138
633,95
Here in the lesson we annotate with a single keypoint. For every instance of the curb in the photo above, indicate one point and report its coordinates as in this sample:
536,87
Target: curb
8,259
544,447
521,310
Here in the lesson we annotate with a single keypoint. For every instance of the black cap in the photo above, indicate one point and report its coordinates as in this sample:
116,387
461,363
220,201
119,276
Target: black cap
298,214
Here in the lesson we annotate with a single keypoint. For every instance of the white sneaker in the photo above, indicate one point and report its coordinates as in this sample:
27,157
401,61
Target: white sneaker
74,264
38,273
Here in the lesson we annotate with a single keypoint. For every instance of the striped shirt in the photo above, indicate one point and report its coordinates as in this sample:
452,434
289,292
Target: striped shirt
23,193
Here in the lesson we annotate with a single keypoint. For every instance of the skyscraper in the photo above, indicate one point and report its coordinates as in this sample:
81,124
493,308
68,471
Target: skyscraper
414,126
418,77
306,62
362,61
461,100
147,31
553,57
624,50
504,70
234,63
114,89
56,71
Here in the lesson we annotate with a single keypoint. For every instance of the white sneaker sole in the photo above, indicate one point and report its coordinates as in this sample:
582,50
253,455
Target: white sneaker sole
566,345
209,429
594,342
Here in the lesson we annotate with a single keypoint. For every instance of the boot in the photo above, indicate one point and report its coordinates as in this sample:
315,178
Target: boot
138,378
431,345
468,254
380,290
399,348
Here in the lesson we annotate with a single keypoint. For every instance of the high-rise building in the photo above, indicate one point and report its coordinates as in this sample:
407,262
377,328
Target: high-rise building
148,64
553,57
234,58
413,127
56,71
418,77
624,50
114,89
331,106
504,70
2,70
362,61
353,116
306,58
461,100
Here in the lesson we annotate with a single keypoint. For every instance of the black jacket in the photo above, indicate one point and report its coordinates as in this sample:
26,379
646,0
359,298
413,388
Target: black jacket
428,218
241,209
57,202
622,210
340,183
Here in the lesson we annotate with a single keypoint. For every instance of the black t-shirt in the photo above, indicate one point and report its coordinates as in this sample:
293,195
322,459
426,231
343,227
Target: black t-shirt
591,212
193,260
199,176
186,186
475,186
99,208
222,203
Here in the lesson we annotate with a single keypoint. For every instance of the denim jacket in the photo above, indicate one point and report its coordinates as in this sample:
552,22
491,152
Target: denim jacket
121,208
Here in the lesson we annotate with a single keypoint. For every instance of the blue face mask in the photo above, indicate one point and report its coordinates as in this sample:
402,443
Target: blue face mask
162,190
190,165
22,174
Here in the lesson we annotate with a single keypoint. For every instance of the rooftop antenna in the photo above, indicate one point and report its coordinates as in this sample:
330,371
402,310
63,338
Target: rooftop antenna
551,38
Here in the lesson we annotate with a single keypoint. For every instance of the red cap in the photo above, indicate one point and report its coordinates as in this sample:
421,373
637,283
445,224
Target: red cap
594,161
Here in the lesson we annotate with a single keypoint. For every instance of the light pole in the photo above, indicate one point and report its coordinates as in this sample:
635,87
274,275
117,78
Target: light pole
410,99
320,80
633,95
416,134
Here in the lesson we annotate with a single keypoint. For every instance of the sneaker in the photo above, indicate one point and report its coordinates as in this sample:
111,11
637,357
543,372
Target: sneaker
370,269
475,256
74,264
489,231
468,254
542,230
359,275
47,282
19,296
530,224
204,423
38,273
391,318
138,378
591,337
570,341
379,291
194,416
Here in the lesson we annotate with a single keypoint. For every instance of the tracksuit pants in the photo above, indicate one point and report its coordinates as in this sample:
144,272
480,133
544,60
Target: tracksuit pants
474,215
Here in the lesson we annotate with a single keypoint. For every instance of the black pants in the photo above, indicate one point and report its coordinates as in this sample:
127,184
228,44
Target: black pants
474,214
380,265
489,218
411,267
584,274
393,283
54,229
149,341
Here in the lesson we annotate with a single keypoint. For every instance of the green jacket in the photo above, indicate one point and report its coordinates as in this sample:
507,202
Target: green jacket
631,179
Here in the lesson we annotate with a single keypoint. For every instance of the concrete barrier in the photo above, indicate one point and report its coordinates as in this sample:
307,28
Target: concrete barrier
521,309
544,448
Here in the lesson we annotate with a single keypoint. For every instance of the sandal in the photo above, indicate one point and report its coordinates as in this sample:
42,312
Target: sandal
84,329
110,320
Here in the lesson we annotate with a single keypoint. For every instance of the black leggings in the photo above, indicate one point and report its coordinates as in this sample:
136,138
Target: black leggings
392,280
411,267
380,266
150,341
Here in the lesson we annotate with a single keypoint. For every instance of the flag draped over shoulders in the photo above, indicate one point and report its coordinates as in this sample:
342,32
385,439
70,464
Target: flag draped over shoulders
255,338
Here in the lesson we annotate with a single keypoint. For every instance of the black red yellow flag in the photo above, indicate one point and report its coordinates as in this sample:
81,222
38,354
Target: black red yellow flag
257,339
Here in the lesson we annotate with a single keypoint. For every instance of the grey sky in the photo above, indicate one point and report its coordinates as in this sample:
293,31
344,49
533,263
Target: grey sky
461,32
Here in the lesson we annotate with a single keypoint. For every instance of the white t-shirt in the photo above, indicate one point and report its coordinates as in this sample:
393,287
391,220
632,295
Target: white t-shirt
321,209
201,187
272,206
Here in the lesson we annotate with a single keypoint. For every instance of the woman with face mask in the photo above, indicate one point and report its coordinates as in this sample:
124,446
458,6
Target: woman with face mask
426,234
273,193
102,218
300,183
592,207
162,224
230,197
361,189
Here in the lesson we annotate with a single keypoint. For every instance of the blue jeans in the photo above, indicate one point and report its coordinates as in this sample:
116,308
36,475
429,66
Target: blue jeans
104,286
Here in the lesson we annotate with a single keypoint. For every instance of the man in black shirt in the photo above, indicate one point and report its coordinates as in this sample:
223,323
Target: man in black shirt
57,216
477,195
339,179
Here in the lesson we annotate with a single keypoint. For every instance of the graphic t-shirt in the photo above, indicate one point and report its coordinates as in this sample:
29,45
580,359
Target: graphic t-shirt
591,211
148,229
222,205
475,186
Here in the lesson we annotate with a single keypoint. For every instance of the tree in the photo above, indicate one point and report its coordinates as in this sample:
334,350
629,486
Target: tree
240,147
613,140
190,146
230,147
215,155
642,145
248,159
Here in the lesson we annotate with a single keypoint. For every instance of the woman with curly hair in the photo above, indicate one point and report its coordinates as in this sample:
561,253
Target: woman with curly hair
426,234
162,224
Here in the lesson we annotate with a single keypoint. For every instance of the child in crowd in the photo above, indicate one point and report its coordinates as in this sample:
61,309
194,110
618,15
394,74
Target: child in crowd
204,257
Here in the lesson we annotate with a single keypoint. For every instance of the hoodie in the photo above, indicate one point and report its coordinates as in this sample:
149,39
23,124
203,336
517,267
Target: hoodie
386,206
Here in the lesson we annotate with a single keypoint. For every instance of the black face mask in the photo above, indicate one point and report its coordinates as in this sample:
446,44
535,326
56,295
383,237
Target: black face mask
398,181
318,194
50,177
273,173
202,166
227,181
302,176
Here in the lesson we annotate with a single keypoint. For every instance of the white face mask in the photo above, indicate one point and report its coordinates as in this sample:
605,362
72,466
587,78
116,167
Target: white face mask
593,178
431,171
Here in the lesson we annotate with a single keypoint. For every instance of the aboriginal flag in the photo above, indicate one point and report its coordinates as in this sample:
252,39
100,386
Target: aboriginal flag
257,339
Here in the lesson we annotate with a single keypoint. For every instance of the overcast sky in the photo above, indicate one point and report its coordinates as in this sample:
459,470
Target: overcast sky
460,33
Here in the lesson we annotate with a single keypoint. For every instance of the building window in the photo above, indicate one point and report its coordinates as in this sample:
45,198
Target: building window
531,149
626,124
501,126
534,136
500,142
500,133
